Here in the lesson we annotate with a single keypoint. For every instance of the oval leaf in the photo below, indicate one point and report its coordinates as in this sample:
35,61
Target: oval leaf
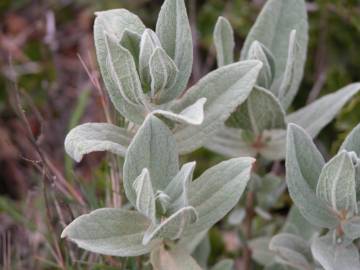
93,137
303,166
225,89
145,197
154,148
110,231
334,256
173,30
224,42
261,111
318,114
272,28
114,23
193,115
217,191
336,184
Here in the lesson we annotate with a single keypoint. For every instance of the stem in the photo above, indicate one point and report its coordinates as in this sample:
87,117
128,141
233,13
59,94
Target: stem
250,213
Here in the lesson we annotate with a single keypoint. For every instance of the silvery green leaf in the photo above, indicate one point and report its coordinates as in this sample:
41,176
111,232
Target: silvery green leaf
352,144
172,227
163,71
224,42
131,41
191,242
318,114
229,142
352,228
261,111
225,89
193,115
336,184
272,28
173,30
303,166
297,224
225,264
154,148
145,197
92,137
178,188
332,256
260,250
115,22
149,42
352,141
291,250
290,81
259,52
174,259
217,191
123,71
202,252
162,202
110,231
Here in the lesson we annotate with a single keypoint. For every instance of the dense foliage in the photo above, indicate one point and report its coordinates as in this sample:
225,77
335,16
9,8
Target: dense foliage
157,209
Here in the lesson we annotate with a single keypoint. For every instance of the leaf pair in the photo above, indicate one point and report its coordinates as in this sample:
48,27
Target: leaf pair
279,40
324,193
169,204
293,251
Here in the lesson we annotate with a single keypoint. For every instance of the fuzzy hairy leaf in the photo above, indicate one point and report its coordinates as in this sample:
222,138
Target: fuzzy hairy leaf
154,148
217,191
123,70
225,89
336,184
298,225
174,259
93,137
224,42
261,111
110,231
259,52
193,115
178,188
131,41
173,30
332,256
163,71
145,197
272,28
260,250
303,167
202,252
291,250
172,227
149,42
318,114
352,228
114,23
229,142
289,86
352,141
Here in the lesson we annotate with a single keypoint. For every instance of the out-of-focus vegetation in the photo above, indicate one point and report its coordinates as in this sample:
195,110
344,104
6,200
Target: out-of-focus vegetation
45,90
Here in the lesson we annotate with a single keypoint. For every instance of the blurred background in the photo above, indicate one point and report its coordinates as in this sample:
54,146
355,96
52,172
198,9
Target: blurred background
46,59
